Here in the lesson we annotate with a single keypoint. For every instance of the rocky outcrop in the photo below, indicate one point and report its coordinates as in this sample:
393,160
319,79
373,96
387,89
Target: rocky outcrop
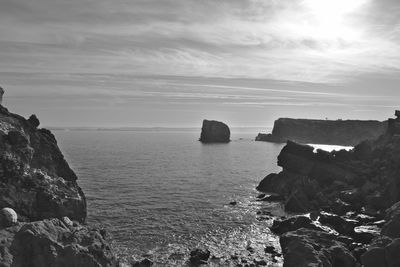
43,208
53,242
339,132
347,192
35,179
214,132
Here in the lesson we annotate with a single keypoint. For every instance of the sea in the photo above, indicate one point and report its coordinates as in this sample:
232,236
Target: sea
160,192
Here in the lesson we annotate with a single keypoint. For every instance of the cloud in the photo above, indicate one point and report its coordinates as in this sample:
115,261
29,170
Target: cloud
286,40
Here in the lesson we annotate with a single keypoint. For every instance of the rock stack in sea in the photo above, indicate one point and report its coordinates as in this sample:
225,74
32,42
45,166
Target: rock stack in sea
215,132
43,208
347,203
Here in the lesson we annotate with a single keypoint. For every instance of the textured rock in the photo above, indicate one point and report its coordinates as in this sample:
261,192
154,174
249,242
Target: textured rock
214,132
305,247
53,243
339,132
35,179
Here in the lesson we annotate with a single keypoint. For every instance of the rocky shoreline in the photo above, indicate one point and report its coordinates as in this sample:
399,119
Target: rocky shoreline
346,203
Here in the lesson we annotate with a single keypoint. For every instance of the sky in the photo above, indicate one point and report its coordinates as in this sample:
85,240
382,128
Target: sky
173,63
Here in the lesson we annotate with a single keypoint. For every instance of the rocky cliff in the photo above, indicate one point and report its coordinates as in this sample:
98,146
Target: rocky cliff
37,183
339,132
349,200
215,132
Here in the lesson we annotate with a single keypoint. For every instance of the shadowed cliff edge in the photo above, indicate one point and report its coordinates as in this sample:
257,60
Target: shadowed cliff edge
47,227
346,201
338,132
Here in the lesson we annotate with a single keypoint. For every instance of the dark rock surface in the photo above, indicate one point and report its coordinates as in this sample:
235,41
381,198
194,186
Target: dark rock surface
339,132
305,247
199,256
214,132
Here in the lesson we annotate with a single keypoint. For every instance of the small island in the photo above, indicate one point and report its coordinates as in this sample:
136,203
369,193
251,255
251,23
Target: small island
215,132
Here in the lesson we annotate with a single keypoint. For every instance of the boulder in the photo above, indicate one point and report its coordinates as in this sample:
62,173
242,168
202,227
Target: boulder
199,256
214,132
306,247
8,217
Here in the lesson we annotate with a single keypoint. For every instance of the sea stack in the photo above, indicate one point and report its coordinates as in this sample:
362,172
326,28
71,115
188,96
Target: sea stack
215,132
1,95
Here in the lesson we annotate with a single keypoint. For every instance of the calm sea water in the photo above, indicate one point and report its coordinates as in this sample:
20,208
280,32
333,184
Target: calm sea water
161,193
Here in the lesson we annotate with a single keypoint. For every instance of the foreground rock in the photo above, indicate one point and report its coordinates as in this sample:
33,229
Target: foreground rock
215,132
52,242
339,132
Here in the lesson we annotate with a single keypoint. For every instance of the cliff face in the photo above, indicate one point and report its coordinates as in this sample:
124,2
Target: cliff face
340,132
215,132
36,182
35,179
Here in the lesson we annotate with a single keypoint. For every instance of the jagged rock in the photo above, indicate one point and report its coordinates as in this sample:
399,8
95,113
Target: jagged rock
35,179
339,132
214,132
34,121
8,217
305,247
199,256
51,243
1,95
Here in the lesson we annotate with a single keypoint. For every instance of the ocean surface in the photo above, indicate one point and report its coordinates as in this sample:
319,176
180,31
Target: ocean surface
161,193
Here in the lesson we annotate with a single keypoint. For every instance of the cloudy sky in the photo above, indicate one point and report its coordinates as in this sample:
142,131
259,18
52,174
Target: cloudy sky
175,62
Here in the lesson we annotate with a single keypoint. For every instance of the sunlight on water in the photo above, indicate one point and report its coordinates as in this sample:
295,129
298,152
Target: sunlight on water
330,148
161,194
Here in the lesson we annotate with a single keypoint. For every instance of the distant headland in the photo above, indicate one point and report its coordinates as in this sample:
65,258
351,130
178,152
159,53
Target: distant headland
330,132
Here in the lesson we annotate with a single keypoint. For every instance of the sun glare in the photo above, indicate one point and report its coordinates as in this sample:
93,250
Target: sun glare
331,17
